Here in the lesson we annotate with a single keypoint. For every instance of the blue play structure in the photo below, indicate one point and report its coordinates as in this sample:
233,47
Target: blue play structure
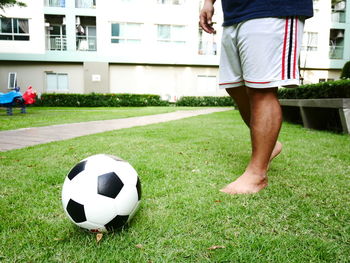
15,98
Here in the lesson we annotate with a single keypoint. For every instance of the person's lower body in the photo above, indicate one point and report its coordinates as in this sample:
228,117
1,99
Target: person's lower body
261,111
258,56
242,101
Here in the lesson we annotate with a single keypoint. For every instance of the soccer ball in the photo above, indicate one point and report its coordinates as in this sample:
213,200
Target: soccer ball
101,193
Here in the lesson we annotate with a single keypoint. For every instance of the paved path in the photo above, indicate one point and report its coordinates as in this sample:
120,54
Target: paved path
17,139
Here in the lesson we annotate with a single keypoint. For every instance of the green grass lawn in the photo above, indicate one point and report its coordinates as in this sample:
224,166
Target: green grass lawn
302,216
43,116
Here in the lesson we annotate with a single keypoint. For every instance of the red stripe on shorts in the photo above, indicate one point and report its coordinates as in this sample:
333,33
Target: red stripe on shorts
230,83
284,48
258,82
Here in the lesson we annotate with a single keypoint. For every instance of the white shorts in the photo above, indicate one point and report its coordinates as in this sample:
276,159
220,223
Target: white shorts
261,53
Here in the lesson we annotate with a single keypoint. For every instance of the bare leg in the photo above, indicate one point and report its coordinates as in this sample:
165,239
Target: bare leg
265,124
241,98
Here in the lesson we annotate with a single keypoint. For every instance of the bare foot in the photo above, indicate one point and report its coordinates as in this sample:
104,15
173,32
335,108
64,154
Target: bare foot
276,151
247,183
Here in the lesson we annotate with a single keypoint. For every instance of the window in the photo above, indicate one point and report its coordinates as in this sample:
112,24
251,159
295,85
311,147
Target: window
338,11
56,37
12,80
171,34
336,43
57,82
171,2
126,33
85,3
207,44
55,3
310,41
14,29
86,38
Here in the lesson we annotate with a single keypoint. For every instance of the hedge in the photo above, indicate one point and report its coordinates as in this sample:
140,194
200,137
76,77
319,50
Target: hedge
204,101
331,89
99,100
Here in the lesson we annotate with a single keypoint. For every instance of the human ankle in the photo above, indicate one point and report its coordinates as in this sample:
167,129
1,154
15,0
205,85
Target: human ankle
256,171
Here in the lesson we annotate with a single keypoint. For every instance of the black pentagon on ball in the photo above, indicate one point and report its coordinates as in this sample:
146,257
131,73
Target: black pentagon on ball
76,211
116,223
138,187
109,185
76,170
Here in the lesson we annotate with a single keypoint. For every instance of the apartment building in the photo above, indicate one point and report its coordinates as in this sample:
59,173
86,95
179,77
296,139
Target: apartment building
142,46
119,46
326,42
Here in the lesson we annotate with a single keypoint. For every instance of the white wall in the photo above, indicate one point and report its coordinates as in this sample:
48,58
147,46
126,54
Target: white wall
167,81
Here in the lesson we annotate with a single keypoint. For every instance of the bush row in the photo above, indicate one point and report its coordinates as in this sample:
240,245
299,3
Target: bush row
331,89
100,100
125,100
204,101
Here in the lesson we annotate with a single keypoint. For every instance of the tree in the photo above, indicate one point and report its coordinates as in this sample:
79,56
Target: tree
345,74
8,3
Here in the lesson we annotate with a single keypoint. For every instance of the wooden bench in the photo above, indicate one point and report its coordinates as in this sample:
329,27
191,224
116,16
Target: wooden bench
320,114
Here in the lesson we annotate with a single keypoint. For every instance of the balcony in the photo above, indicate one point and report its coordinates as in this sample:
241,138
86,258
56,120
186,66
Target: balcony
55,32
338,16
55,3
338,11
86,33
207,48
86,43
336,52
56,42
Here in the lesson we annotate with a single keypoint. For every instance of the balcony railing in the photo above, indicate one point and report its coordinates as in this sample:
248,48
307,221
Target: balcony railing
336,52
85,3
207,48
55,3
85,43
56,42
338,16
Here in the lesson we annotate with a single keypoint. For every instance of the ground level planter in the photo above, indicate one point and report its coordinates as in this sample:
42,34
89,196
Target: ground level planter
320,114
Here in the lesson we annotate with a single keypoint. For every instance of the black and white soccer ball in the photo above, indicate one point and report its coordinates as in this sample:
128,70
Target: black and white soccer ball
101,193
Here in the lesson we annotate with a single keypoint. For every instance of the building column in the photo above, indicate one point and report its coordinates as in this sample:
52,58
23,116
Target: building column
96,77
70,31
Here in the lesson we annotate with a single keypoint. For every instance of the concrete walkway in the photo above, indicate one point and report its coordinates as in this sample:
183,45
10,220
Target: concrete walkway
21,138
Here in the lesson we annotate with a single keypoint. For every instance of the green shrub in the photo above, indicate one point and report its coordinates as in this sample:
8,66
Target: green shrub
99,100
345,73
204,101
331,89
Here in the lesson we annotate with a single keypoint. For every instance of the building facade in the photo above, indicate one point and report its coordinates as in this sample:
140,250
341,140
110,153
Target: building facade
119,46
142,46
326,42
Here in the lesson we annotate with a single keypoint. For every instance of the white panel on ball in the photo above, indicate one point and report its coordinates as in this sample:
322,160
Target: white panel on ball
127,200
126,172
100,209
